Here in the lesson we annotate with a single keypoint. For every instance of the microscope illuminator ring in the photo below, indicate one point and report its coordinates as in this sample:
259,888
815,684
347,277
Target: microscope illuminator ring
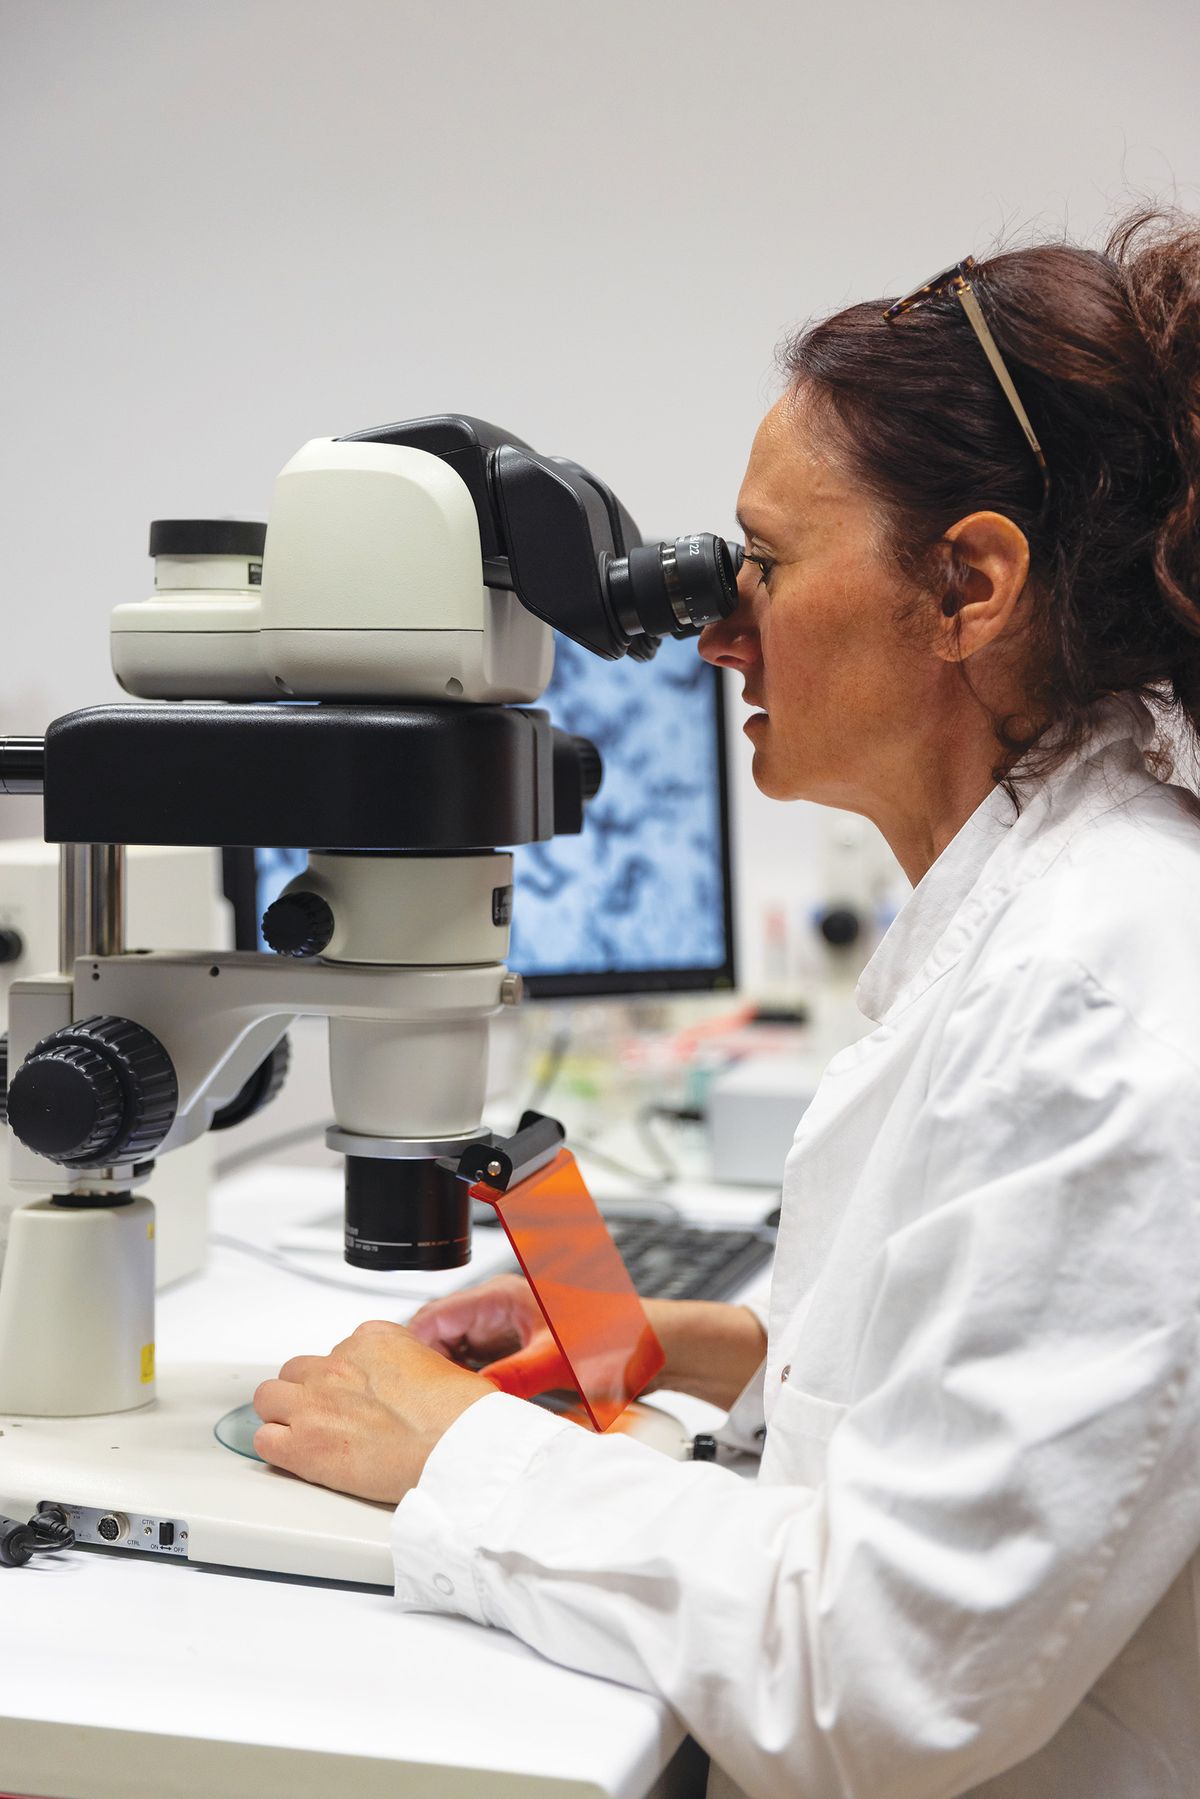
396,1149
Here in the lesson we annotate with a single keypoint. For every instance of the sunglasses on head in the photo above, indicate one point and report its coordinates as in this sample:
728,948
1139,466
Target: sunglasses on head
957,281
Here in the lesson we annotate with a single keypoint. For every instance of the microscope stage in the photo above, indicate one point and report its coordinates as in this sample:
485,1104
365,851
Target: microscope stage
158,1481
162,1466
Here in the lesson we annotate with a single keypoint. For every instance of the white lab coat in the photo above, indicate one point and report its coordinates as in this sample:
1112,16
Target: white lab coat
969,1563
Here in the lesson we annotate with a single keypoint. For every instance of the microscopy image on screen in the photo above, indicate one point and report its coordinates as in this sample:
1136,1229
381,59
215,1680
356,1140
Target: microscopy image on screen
642,886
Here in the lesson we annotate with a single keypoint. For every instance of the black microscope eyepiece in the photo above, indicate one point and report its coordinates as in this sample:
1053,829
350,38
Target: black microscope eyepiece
674,589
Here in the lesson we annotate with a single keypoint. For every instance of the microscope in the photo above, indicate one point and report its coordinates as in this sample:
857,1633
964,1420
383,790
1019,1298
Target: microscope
361,678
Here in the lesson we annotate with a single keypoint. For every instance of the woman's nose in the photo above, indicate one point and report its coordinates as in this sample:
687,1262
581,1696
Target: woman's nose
733,642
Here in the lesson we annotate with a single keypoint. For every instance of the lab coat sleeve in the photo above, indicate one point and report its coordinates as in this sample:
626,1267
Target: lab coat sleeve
744,1429
1013,1484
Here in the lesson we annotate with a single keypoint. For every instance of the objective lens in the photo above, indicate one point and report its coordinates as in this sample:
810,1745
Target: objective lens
673,589
405,1214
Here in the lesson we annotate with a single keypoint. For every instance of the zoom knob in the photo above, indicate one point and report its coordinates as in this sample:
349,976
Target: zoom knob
591,766
94,1093
258,1091
298,924
578,772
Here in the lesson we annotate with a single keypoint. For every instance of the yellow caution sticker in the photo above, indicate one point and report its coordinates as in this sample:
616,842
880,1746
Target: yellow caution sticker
147,1363
150,1231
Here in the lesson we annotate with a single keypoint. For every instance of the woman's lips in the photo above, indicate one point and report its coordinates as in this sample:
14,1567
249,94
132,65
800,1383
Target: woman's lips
759,716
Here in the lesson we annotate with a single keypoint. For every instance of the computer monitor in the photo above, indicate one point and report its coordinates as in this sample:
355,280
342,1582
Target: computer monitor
640,901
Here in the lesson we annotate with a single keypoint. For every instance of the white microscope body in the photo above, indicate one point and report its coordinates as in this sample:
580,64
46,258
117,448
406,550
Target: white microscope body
371,586
408,583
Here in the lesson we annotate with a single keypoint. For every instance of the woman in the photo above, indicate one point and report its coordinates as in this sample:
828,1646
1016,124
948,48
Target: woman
969,611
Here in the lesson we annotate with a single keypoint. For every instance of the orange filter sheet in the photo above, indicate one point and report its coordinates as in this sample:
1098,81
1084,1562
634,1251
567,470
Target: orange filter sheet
603,1340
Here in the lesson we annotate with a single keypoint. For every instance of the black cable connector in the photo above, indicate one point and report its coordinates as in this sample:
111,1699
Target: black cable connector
51,1528
17,1543
42,1535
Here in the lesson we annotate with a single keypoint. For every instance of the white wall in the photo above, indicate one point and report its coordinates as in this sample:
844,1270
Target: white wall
230,225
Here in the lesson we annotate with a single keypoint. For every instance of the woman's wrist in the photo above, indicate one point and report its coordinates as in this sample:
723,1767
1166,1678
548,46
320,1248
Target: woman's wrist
712,1349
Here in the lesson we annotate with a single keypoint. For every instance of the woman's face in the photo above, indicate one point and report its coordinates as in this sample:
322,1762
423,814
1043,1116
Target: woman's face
838,688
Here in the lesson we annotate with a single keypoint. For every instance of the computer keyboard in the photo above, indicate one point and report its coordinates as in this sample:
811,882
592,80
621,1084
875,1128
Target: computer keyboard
668,1260
665,1258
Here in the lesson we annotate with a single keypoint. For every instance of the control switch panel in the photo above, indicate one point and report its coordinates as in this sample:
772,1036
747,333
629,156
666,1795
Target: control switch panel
124,1530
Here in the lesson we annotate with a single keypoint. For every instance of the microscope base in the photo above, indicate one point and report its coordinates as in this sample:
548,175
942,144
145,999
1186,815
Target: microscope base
164,1466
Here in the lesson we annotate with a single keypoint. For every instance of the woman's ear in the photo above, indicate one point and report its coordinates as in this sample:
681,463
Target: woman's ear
989,567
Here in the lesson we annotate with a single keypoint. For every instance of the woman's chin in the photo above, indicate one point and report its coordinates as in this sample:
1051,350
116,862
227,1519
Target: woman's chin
771,775
766,776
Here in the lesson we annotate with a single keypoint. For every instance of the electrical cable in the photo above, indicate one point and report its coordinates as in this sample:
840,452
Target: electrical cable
644,1125
288,1266
255,1152
586,1146
552,1063
43,1534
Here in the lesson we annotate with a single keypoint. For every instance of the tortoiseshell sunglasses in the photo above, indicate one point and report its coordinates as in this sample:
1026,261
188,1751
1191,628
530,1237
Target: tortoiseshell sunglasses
956,281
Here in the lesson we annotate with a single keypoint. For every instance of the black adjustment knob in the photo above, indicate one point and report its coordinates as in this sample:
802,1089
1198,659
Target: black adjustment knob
12,945
94,1093
704,1448
578,772
258,1091
840,926
298,924
591,766
4,1080
207,537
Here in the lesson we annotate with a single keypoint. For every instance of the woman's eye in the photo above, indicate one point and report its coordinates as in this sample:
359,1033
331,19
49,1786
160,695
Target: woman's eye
765,567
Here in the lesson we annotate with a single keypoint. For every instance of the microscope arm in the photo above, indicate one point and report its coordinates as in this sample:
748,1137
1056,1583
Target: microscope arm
408,1049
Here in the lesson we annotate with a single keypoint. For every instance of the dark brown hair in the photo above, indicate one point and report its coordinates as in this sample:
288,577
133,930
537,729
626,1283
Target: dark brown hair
1104,348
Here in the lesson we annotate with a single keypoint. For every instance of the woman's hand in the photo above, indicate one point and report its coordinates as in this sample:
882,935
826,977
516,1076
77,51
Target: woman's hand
497,1318
712,1350
500,1324
364,1418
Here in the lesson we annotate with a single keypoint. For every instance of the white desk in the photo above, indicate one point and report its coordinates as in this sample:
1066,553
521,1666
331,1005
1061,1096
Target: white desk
145,1681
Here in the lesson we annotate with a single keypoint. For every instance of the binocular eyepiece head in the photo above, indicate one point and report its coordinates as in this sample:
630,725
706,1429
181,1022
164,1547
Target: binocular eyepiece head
674,589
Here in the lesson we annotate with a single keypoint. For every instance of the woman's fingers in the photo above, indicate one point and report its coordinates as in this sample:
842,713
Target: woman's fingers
443,1323
300,1367
275,1400
274,1444
538,1368
493,1319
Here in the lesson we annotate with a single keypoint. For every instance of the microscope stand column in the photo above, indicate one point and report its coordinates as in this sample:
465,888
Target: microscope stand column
77,1291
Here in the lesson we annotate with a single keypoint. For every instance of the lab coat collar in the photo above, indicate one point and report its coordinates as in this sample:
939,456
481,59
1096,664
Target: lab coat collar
997,850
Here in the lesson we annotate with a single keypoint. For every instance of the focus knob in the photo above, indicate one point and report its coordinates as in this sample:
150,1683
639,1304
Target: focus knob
578,772
94,1093
298,924
262,1087
12,945
591,766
